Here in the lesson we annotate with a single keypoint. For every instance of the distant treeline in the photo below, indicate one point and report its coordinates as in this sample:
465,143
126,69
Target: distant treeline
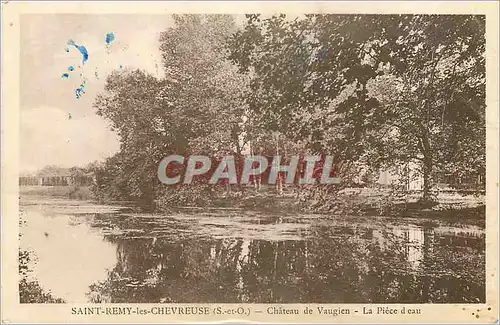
57,176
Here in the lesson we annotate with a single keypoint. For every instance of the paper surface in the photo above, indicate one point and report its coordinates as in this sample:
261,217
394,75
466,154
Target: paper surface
110,261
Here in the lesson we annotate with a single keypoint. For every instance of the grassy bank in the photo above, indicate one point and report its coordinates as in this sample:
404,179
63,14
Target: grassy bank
453,207
71,192
449,206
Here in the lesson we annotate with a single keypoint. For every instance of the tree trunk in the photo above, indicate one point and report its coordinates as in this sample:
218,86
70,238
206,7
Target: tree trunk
278,181
427,170
425,148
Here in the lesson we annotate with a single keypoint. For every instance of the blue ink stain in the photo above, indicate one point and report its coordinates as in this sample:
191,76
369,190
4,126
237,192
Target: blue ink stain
71,68
65,75
110,37
79,91
82,49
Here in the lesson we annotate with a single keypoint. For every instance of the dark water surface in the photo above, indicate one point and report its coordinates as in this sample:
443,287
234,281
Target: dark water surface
94,253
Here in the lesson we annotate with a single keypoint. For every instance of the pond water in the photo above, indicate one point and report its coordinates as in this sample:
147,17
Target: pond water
96,253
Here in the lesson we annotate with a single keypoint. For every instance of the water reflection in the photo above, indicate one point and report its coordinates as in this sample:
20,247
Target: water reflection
70,256
334,264
244,257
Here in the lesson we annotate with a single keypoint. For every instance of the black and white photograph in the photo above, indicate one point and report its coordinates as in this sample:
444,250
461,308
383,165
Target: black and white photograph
253,158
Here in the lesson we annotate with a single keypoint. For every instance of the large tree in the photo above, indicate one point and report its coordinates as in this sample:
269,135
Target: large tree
209,90
196,108
381,88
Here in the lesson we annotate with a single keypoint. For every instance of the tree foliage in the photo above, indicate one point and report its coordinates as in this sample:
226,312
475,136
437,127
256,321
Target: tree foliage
375,91
383,89
196,108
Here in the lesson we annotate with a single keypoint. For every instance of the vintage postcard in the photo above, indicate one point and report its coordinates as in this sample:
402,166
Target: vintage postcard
270,162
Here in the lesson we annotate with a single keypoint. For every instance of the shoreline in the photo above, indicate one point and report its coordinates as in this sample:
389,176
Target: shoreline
441,213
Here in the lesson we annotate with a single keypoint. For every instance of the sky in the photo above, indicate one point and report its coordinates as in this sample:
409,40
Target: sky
57,128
